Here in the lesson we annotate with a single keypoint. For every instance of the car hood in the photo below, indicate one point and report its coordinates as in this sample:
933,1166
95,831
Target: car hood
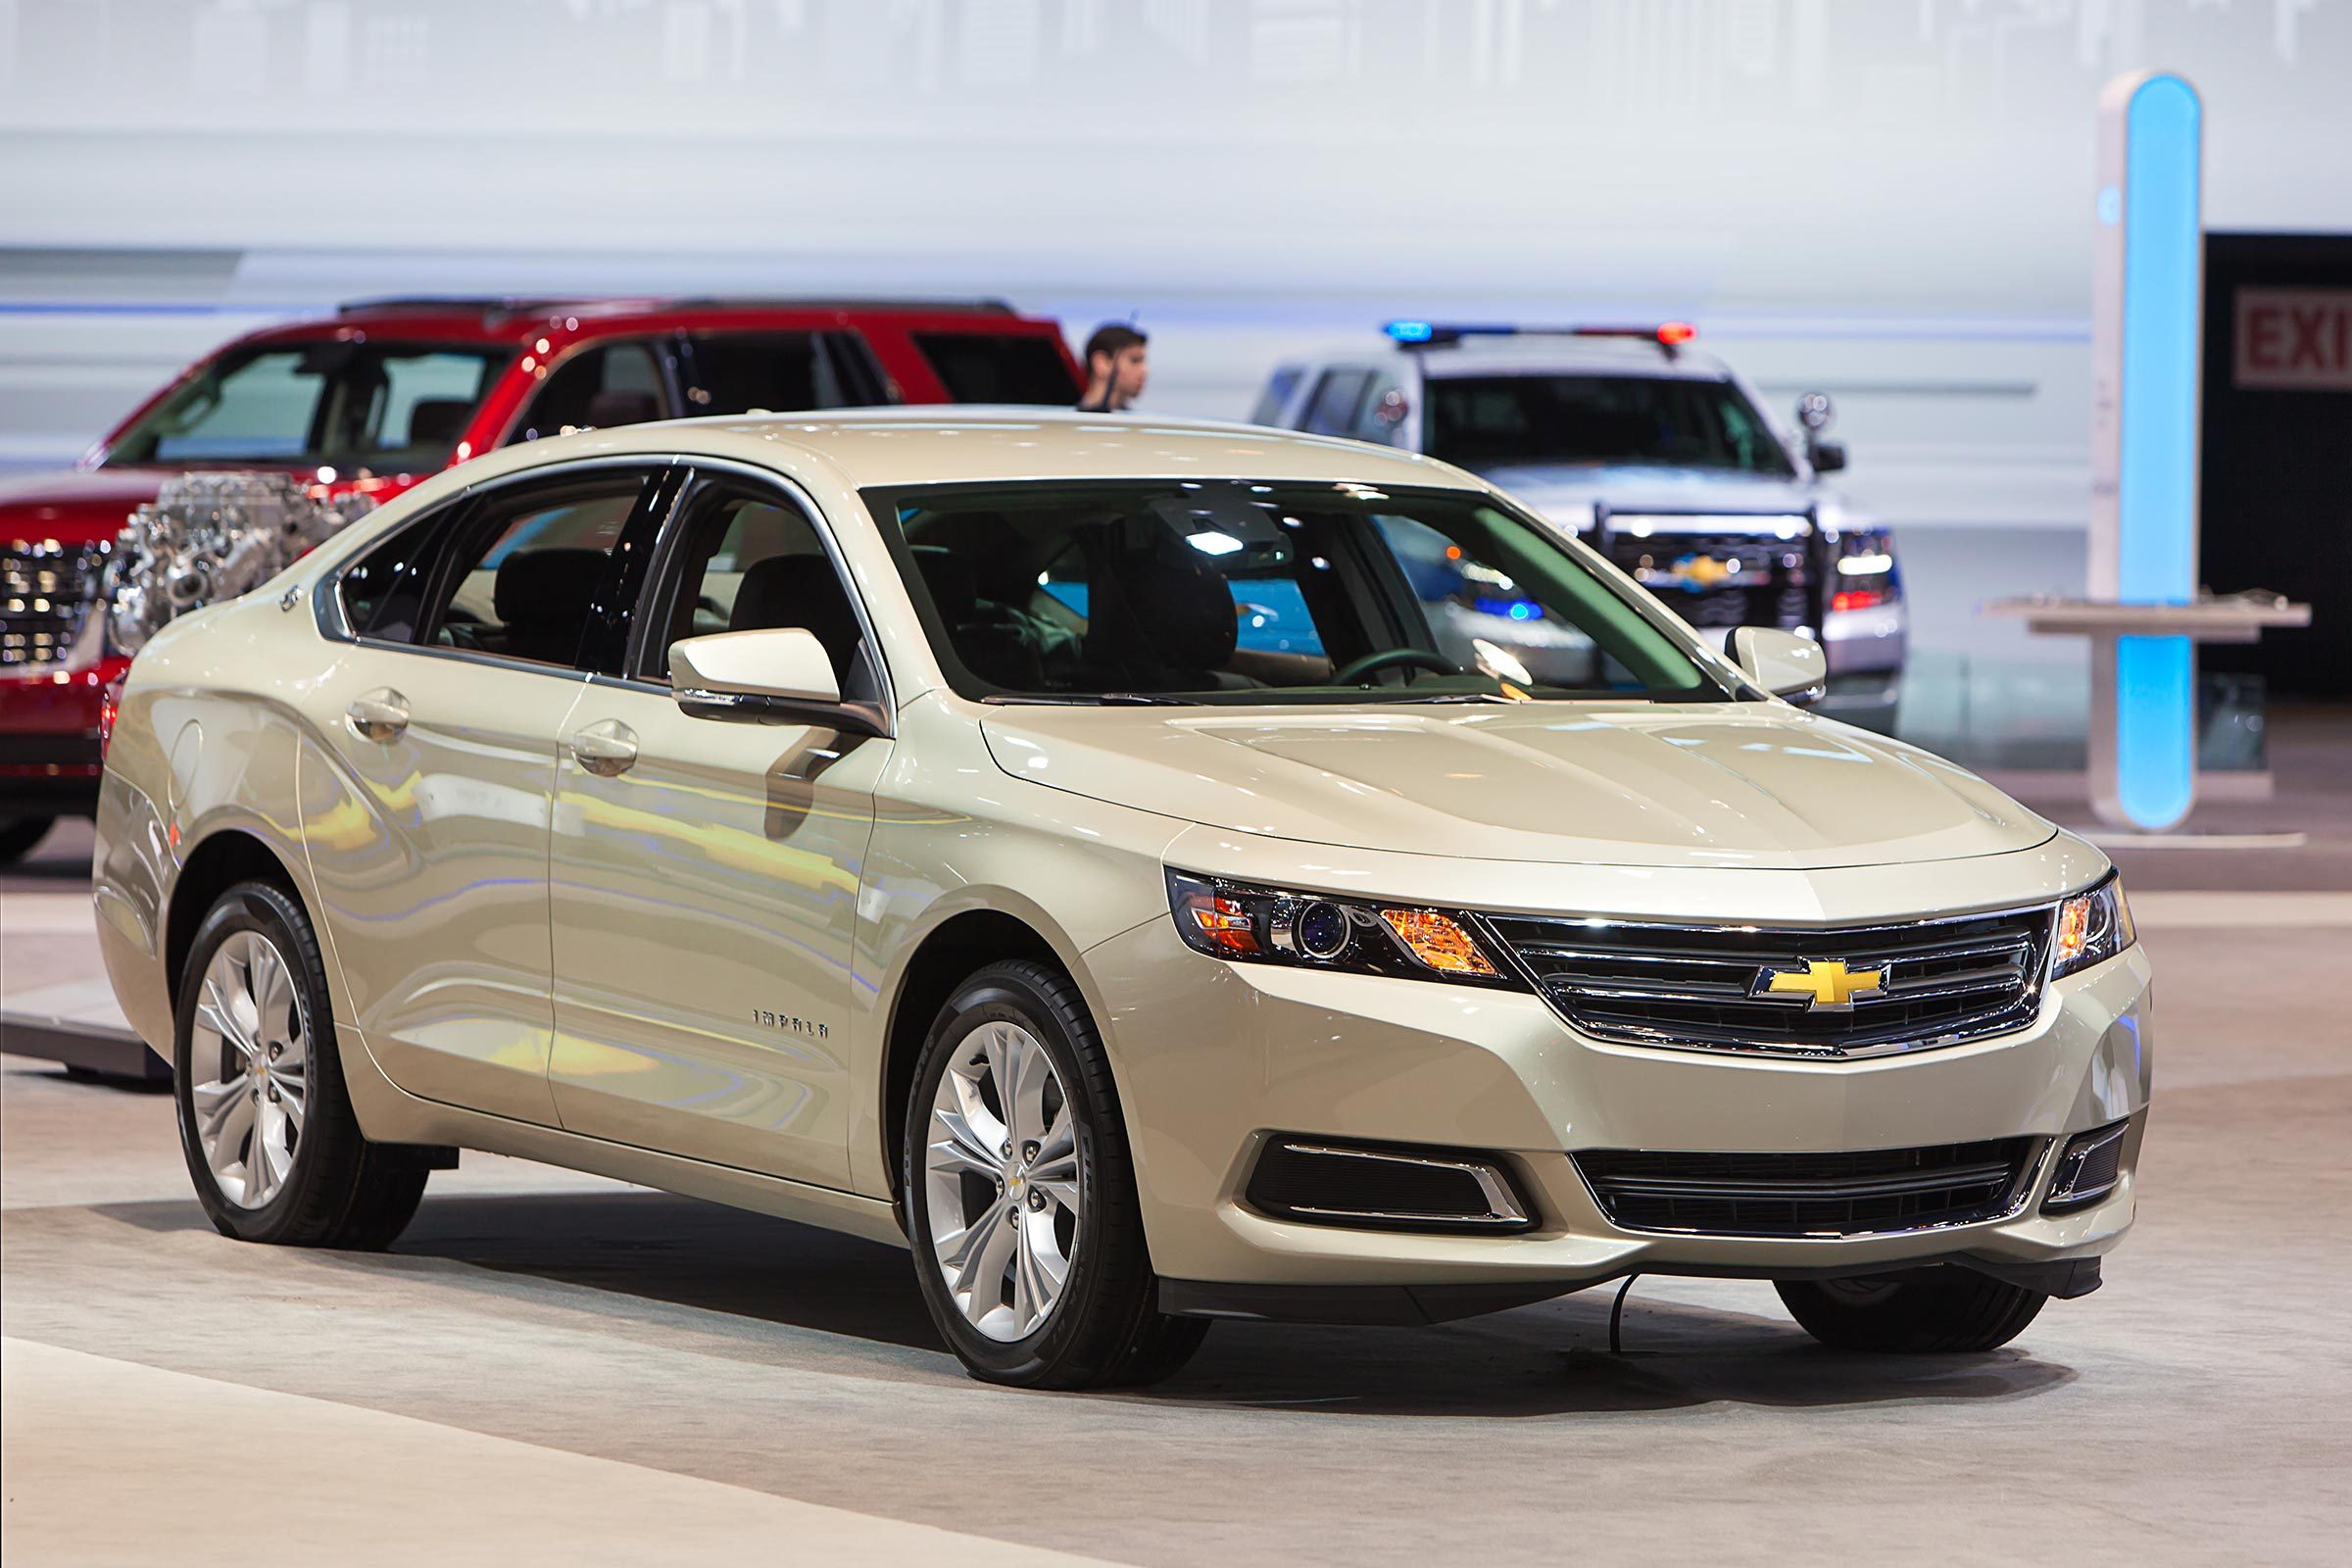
77,506
1639,488
1722,785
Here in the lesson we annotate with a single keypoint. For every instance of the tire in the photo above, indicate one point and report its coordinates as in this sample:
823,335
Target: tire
1067,1192
333,1188
1942,1311
20,838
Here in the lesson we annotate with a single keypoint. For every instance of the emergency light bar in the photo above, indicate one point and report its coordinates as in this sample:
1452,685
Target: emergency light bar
1668,335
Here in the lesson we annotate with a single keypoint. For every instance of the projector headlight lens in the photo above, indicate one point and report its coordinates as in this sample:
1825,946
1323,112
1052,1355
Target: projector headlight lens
2092,927
1271,925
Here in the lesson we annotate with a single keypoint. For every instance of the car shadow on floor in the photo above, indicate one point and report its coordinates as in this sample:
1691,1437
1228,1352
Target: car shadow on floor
635,1249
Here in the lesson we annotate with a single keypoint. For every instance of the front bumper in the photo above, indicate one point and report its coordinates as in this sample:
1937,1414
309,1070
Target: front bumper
1214,1058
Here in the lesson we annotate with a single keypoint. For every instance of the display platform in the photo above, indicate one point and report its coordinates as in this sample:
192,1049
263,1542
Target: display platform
78,1022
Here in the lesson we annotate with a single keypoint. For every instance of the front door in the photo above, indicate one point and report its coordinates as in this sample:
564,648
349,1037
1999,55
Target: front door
425,801
704,873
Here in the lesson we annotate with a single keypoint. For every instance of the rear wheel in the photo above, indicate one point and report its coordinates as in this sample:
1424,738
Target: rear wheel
1942,1309
270,1139
19,838
1020,1194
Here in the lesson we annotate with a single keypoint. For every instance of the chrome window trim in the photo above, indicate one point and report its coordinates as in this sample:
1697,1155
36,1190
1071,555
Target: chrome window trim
2035,991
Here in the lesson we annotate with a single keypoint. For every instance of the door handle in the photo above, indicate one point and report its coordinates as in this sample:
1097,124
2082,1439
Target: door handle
606,748
378,715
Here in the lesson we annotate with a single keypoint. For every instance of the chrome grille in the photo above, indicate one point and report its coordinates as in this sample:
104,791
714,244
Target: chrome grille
1771,587
1941,982
46,590
1844,1192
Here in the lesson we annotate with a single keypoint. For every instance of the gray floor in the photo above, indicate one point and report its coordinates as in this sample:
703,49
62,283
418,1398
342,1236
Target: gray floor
2198,1408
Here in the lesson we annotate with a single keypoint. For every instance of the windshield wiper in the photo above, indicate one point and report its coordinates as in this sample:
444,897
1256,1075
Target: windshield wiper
1087,700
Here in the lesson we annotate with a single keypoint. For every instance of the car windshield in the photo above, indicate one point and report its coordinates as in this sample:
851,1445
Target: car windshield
1491,421
387,407
1250,592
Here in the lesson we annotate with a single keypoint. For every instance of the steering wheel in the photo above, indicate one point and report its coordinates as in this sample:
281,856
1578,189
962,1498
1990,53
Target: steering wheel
1391,658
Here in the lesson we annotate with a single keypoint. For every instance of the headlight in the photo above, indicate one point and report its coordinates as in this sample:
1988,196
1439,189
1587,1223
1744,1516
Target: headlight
2092,927
1316,931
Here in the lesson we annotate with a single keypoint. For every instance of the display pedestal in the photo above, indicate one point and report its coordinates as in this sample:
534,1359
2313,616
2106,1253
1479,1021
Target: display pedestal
2142,689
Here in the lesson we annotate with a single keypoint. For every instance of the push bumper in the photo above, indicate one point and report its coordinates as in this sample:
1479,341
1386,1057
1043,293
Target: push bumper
1219,1059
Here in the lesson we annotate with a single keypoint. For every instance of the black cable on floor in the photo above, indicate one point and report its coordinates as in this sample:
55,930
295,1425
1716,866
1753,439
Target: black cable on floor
1617,1314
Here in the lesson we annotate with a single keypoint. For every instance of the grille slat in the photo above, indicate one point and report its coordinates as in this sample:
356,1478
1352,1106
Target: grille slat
1941,982
1848,1192
46,590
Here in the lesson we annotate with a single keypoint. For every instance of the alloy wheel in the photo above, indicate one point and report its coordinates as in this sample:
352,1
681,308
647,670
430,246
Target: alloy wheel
1003,1180
251,1035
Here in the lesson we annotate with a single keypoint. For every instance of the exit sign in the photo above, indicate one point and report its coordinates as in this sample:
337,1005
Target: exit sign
2296,339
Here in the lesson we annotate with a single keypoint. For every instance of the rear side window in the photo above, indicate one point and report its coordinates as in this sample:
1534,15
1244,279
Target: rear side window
778,373
1338,396
520,574
600,386
1277,395
1000,368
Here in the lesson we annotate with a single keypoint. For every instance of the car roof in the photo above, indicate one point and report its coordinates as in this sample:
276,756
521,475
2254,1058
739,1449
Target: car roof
905,446
504,321
1559,354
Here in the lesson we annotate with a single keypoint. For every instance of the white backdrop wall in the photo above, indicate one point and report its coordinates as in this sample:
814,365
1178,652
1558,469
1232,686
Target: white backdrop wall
1889,198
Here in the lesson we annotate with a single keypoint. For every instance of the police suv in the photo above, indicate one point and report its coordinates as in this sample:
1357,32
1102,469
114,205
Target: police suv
1654,453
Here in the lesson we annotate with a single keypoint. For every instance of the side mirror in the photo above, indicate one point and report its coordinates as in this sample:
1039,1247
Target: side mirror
779,676
1781,663
1826,457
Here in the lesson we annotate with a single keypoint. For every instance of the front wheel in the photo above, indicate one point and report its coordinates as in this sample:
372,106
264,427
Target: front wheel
1020,1194
270,1138
1942,1309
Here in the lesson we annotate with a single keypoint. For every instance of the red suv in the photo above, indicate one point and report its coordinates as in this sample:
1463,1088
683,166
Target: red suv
390,391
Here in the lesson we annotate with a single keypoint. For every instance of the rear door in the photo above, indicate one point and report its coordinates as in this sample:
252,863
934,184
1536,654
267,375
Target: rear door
706,872
426,795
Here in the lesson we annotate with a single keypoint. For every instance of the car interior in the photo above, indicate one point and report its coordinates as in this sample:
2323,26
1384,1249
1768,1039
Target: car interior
1224,591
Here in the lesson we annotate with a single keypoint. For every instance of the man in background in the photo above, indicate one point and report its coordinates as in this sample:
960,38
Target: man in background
1116,368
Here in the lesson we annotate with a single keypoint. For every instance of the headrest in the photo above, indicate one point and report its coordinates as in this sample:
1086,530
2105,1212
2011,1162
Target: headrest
1183,609
606,410
438,422
557,584
949,576
801,591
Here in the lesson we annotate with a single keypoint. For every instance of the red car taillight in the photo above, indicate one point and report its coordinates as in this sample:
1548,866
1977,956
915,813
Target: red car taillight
109,705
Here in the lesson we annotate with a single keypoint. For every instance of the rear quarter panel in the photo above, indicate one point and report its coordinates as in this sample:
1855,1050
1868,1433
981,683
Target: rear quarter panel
202,746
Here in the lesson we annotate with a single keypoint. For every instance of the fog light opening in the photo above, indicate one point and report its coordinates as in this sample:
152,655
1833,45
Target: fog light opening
2089,1169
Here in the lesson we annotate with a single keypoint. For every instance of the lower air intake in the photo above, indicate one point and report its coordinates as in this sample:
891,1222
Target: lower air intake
1853,1193
1386,1187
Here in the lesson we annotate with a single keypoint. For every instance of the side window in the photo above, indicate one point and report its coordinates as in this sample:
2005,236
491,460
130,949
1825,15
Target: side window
603,385
528,567
749,560
1000,368
1277,395
1337,397
383,591
1381,416
763,372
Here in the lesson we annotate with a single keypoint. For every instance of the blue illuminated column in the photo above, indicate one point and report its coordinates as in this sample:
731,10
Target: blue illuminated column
2147,328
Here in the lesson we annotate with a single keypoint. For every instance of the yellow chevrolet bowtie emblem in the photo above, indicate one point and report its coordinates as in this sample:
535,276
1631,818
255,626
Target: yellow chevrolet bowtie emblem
1702,571
1829,982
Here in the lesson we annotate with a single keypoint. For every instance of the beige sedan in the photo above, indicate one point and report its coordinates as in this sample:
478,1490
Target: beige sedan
1158,871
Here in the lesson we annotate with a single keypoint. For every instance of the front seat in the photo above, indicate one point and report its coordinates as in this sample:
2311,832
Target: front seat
542,598
802,591
1168,620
